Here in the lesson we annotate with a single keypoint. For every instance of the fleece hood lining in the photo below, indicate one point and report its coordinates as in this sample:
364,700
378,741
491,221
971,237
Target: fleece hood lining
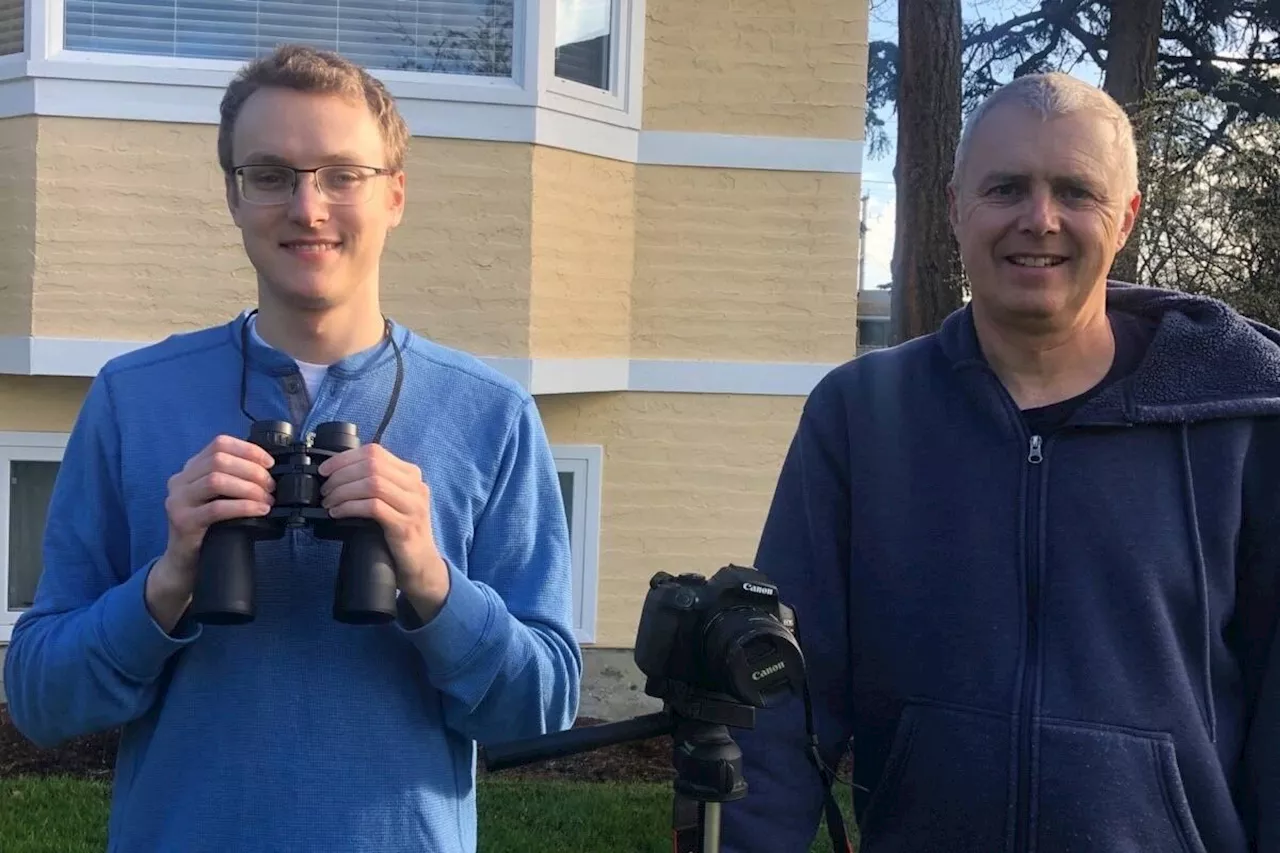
1205,362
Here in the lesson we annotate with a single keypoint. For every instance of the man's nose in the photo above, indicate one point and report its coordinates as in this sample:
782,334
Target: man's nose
1040,213
308,205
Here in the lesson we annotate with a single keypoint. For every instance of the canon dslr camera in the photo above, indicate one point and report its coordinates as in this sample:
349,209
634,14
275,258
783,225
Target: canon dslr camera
729,636
365,592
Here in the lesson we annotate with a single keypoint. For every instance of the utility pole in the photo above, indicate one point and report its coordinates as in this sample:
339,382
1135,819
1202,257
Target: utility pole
862,244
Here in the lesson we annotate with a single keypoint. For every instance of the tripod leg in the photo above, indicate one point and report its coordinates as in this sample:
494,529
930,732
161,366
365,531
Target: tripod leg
686,825
711,828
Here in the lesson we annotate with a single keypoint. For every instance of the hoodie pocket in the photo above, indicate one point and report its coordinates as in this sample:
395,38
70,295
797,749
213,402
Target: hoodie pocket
944,784
1108,790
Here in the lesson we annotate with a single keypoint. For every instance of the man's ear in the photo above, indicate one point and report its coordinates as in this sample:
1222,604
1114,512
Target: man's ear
396,184
1129,219
233,199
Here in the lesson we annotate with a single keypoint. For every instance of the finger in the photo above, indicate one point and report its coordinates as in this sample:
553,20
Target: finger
217,484
376,467
226,510
235,466
194,520
240,448
371,508
396,497
344,460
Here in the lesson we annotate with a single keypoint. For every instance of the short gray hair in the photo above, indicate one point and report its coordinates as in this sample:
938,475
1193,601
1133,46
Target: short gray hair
1051,95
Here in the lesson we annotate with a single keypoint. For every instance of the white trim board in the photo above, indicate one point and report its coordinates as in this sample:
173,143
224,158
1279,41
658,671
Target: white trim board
586,464
495,115
43,356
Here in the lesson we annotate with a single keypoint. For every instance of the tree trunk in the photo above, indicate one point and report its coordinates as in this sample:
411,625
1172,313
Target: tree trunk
1133,42
927,279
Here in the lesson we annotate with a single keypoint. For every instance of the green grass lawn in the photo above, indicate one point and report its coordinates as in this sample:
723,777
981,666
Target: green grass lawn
52,815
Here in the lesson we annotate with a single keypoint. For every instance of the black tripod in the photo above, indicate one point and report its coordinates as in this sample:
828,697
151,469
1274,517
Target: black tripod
708,764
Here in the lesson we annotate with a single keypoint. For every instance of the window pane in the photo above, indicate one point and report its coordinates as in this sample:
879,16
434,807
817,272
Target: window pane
584,38
566,491
30,487
10,26
873,333
471,37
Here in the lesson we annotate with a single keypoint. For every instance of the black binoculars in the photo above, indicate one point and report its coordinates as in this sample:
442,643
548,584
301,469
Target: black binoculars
365,591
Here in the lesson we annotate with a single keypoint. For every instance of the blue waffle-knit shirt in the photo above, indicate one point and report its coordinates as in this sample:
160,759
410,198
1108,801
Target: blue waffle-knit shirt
296,732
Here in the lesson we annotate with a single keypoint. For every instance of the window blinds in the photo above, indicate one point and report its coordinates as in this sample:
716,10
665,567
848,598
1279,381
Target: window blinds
471,37
10,26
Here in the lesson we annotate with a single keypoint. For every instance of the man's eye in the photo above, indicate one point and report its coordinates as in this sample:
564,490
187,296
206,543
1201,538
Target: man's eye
267,179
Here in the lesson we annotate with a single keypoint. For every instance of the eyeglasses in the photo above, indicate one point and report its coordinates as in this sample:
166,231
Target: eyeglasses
337,184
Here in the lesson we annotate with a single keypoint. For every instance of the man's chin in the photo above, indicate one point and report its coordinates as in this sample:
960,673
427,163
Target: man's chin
304,294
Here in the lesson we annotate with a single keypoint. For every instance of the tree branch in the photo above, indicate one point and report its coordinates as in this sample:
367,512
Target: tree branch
1032,63
1090,42
1000,31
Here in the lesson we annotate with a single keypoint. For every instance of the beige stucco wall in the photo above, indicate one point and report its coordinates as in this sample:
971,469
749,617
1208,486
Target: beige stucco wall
762,67
505,249
583,258
744,264
687,482
458,266
40,403
133,238
134,241
17,222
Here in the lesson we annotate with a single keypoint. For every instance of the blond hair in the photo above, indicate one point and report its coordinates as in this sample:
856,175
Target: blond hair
308,69
1051,95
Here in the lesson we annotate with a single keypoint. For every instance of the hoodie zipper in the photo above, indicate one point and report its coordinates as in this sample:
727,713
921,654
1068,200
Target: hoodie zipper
1030,672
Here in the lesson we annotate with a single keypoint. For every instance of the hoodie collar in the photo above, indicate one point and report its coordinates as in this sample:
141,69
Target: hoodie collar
1205,362
266,359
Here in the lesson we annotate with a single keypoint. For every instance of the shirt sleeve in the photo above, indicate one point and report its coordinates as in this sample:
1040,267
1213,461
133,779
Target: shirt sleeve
87,656
502,649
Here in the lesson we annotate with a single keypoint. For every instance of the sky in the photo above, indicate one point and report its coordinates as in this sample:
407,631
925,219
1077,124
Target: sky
877,172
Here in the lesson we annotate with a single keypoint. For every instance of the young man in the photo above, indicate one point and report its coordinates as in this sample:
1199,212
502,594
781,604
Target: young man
297,731
1036,555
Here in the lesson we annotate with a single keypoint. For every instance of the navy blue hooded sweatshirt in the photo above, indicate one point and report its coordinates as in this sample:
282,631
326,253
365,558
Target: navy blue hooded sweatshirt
1063,644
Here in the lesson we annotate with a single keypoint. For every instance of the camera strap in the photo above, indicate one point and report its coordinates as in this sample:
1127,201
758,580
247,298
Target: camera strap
388,335
835,818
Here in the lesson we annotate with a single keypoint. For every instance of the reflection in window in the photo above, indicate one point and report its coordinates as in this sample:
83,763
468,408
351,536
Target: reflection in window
584,42
470,37
873,333
566,490
30,488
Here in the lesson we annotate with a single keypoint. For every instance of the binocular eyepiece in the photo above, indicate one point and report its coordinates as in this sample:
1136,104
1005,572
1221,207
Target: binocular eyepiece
365,590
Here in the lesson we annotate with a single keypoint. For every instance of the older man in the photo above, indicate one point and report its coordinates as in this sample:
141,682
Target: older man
1036,555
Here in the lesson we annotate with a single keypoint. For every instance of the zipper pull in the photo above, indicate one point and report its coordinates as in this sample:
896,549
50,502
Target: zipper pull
1035,456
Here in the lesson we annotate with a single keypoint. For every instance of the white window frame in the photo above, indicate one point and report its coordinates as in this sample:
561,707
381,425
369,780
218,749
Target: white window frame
573,96
115,78
19,447
585,462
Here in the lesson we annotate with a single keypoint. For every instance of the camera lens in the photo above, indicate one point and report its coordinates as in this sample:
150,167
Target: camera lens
753,657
